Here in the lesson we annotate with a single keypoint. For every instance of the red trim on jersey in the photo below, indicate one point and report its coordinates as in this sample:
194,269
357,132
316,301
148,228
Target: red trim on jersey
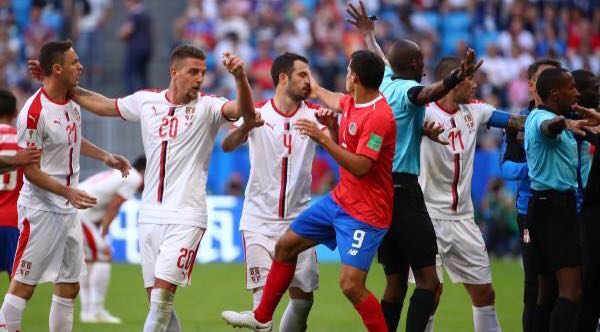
7,129
475,101
23,239
456,176
447,111
313,106
223,112
284,166
89,237
9,146
167,98
54,101
289,115
163,163
119,110
245,258
34,112
194,258
70,167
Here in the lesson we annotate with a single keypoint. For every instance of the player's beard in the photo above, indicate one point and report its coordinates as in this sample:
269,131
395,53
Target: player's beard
298,97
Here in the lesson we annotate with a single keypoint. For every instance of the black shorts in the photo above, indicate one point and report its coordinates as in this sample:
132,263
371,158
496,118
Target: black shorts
554,230
411,240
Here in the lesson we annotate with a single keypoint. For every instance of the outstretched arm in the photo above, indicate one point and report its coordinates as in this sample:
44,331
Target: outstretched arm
244,106
507,120
239,135
330,99
366,25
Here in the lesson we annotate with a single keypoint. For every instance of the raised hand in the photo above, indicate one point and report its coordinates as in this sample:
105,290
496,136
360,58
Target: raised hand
577,126
360,19
258,120
119,163
233,64
80,199
469,66
433,132
326,117
590,114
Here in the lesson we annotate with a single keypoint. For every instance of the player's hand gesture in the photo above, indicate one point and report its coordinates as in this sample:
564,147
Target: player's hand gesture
590,114
257,122
326,117
118,162
35,70
314,87
577,126
433,132
80,199
360,19
468,65
310,129
233,64
27,156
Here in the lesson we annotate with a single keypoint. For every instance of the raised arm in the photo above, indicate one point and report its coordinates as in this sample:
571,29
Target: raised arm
330,99
512,122
366,25
95,102
243,106
113,161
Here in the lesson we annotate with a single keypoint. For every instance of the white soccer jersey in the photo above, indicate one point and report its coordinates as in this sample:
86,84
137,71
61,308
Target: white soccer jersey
178,142
55,129
104,186
281,159
447,170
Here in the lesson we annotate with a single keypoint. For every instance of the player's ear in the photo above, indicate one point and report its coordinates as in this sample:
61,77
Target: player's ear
57,69
283,78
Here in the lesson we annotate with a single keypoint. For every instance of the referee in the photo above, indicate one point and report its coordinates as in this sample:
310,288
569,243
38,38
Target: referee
551,151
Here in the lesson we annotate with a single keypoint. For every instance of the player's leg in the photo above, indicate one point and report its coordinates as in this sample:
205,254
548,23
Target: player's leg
306,280
396,276
358,243
178,245
14,304
567,305
530,272
485,317
588,318
99,279
87,314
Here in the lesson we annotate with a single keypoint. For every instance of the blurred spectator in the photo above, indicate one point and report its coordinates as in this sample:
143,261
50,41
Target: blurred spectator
94,15
7,14
137,34
193,27
499,229
260,68
36,32
516,34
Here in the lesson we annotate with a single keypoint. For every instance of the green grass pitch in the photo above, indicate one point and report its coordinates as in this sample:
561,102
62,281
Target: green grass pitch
221,286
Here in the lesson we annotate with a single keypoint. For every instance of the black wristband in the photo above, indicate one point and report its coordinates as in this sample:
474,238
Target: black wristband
452,80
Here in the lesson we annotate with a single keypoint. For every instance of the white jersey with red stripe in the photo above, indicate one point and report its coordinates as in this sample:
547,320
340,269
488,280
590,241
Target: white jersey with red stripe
104,186
54,128
281,159
10,182
447,170
178,142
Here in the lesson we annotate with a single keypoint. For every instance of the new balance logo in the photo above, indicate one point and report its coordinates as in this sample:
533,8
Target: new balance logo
352,252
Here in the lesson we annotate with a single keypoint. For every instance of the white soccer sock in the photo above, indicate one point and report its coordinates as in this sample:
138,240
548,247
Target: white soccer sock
430,323
256,298
161,309
485,319
174,325
295,316
84,290
12,309
99,278
61,314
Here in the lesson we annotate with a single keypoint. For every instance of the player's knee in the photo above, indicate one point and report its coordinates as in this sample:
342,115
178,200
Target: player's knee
395,289
68,291
284,251
484,296
21,290
352,288
426,278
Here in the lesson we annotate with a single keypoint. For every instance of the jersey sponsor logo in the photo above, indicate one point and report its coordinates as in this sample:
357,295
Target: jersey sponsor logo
353,252
352,128
58,121
375,142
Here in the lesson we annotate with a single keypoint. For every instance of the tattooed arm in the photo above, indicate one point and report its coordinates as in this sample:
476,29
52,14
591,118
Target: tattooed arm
95,102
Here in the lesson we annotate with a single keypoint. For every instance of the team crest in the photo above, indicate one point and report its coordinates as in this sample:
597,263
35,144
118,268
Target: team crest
526,238
189,115
24,268
468,118
32,138
352,128
77,114
254,274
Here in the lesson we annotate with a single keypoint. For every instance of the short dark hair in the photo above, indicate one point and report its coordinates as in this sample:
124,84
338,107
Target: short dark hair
581,77
140,163
402,54
533,68
53,53
187,51
548,80
446,66
285,64
369,68
8,103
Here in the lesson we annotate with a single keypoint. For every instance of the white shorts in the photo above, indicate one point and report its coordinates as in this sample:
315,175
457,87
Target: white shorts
260,250
168,252
461,252
50,247
95,247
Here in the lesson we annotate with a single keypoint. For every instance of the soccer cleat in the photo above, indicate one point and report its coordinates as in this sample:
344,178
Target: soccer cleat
246,319
86,317
104,316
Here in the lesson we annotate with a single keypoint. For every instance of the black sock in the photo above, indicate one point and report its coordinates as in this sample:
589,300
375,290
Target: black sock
391,312
421,307
541,321
528,317
563,316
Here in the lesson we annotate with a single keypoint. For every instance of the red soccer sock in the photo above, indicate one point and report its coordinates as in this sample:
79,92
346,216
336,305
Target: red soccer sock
371,314
279,279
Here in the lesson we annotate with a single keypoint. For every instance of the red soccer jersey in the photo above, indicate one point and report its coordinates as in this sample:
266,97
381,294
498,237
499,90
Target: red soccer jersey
369,130
10,182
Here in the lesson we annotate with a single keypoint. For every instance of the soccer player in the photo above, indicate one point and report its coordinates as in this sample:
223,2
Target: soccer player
356,214
280,160
179,126
446,176
513,167
551,150
411,238
111,190
50,243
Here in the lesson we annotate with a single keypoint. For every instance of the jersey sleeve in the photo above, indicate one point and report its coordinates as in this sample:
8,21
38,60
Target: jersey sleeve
216,107
373,132
27,136
130,185
484,112
536,124
130,107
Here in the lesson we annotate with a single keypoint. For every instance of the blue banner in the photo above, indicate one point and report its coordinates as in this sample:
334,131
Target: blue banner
221,243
